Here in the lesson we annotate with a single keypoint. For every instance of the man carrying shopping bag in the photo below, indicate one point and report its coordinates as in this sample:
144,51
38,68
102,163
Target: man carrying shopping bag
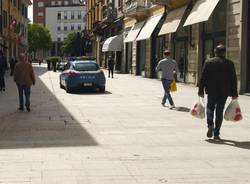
167,66
219,81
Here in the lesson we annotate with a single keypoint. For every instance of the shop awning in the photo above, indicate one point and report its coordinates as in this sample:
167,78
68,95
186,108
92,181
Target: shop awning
134,32
149,27
113,43
201,11
172,21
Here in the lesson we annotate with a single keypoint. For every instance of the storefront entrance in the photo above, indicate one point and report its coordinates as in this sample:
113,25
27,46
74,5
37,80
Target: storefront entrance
214,30
180,55
140,57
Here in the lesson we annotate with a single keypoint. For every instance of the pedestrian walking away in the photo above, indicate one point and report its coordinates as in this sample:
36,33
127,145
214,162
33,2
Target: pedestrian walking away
111,66
219,81
168,67
24,78
12,66
3,67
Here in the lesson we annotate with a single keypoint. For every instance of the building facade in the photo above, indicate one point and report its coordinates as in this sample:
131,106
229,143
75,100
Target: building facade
39,7
104,23
190,29
61,20
14,27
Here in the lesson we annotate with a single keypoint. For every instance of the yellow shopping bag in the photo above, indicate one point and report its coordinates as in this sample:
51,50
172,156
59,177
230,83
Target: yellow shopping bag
173,86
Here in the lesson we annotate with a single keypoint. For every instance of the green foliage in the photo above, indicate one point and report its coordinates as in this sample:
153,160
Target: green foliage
54,59
72,44
39,38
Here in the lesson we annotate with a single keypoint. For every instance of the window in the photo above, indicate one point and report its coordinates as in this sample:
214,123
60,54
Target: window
72,15
59,2
14,2
26,12
58,28
5,15
79,15
65,15
58,39
40,4
40,14
65,28
79,27
86,67
59,16
66,2
53,3
72,27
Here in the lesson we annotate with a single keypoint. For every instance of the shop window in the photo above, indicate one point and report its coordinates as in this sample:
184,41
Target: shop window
217,21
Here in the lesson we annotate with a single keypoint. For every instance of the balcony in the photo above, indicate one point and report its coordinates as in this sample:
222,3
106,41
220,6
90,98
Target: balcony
136,8
171,4
109,13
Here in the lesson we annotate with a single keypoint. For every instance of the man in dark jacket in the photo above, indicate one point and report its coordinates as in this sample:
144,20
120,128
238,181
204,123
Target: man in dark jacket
111,66
3,67
219,81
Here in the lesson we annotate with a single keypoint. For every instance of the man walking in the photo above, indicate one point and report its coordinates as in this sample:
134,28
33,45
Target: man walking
111,66
24,78
168,66
219,81
3,67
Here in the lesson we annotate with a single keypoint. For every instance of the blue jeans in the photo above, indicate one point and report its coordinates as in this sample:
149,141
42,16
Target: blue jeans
166,85
217,104
24,90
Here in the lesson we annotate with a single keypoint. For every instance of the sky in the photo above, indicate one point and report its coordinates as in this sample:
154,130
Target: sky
30,12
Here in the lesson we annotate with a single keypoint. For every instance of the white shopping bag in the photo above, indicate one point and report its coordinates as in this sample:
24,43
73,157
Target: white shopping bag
198,109
233,112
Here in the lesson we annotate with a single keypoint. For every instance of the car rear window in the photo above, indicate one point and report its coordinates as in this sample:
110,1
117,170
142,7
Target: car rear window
86,67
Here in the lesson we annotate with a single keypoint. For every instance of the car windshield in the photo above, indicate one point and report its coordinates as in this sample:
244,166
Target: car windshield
86,67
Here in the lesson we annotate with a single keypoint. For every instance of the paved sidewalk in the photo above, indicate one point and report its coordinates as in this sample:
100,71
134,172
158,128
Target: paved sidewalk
121,137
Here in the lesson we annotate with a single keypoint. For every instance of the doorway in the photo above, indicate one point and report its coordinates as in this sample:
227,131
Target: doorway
140,57
211,40
128,63
180,55
214,30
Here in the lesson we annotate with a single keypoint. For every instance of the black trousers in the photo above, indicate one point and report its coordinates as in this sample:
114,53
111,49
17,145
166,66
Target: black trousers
2,81
111,71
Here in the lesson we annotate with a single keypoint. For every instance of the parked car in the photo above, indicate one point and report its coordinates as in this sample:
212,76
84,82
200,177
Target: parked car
61,66
82,74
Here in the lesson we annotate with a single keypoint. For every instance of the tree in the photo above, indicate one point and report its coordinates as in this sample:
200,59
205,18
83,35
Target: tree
39,38
73,44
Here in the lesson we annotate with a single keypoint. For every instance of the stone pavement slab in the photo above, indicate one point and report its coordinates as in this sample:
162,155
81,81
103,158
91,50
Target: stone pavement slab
121,136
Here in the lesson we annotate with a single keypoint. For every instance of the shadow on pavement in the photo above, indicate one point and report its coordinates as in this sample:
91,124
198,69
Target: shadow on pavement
243,145
90,92
182,109
49,124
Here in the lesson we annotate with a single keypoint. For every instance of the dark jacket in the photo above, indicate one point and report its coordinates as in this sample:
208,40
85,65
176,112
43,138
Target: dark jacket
24,73
218,78
3,63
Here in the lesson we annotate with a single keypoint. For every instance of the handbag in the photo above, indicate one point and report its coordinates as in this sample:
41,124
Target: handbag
173,86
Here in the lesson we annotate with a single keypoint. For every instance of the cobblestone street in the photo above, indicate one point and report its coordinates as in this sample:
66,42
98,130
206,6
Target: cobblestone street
123,136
